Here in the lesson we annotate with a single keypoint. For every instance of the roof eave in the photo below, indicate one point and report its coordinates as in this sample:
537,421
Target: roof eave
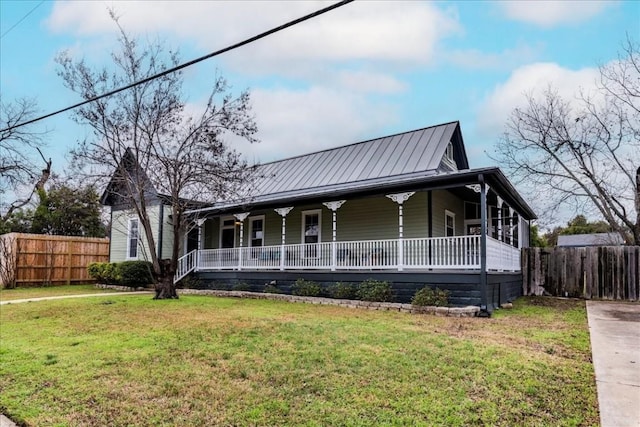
429,181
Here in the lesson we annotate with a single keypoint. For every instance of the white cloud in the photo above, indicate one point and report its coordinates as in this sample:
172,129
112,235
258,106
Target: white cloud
293,122
507,59
369,82
531,79
391,32
314,81
549,13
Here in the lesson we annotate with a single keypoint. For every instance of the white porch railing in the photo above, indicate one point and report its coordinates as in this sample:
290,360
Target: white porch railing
502,256
186,265
461,252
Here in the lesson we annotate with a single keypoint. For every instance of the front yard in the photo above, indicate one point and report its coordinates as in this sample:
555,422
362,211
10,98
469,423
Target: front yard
129,360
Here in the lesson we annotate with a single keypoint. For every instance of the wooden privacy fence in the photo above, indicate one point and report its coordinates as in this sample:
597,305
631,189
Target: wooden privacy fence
35,259
604,272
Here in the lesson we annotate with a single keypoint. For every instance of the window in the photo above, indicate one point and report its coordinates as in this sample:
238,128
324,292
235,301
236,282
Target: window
133,236
449,224
256,230
449,153
311,232
472,210
473,228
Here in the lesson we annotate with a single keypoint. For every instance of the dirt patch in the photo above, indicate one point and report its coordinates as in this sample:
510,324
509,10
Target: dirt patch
555,302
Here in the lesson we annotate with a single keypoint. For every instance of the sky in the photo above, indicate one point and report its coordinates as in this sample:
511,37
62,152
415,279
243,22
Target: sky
365,70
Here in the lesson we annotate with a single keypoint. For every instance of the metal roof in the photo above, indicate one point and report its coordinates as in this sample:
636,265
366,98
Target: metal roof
418,151
406,160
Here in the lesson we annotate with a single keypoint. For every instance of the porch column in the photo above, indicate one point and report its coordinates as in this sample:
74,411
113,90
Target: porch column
400,198
199,223
484,292
283,212
500,235
241,217
334,206
511,213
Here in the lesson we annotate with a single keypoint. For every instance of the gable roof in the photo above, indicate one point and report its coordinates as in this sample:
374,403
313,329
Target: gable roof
415,152
128,168
594,239
403,162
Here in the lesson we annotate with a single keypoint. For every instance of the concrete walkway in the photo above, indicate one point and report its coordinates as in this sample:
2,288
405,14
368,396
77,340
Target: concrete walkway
18,301
614,328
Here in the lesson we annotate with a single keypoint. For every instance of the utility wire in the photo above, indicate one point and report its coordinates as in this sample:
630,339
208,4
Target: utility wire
22,19
187,64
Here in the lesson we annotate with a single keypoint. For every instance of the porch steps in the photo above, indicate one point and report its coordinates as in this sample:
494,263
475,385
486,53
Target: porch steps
186,264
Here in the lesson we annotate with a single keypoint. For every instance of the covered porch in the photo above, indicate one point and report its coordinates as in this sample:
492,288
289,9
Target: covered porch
436,253
450,228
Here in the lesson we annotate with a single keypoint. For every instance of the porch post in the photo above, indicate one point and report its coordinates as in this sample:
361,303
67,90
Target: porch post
241,217
500,235
400,198
283,212
483,245
334,206
511,212
199,222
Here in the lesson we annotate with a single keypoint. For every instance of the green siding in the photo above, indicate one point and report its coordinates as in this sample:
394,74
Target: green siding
119,233
445,200
377,218
167,233
211,239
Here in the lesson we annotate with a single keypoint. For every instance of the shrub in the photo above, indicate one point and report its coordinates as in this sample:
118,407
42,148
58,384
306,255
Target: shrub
306,288
342,290
271,289
136,273
375,290
242,286
105,272
95,270
428,296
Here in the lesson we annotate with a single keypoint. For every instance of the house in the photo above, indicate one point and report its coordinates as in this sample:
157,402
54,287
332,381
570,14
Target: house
594,239
126,232
404,208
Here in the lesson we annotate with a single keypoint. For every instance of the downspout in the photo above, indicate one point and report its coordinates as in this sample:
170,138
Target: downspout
430,219
160,231
110,232
484,291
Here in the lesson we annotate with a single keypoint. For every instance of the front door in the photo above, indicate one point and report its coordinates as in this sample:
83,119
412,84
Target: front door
311,232
228,233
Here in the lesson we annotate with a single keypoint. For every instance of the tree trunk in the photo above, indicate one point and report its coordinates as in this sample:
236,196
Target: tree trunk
165,288
636,232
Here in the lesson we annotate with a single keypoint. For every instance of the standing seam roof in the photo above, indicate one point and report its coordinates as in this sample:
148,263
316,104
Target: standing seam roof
409,152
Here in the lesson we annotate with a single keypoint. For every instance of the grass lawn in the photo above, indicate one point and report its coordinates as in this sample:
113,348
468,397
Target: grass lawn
119,360
49,291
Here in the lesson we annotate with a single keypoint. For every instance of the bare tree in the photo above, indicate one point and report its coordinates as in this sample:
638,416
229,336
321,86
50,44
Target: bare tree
8,277
583,154
154,147
18,171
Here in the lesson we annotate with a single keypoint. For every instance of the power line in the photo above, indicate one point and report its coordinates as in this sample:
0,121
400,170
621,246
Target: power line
22,19
187,64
